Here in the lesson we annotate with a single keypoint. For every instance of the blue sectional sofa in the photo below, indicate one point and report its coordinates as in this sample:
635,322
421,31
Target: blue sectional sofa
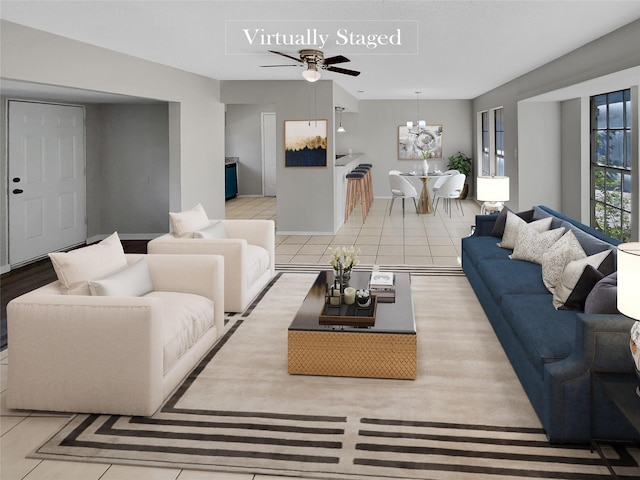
552,351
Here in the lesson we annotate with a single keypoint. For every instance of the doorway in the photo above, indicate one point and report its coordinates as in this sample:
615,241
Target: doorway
269,154
47,179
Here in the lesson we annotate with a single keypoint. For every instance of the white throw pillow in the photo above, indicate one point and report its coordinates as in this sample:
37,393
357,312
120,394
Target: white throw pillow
513,224
75,268
216,230
183,224
532,245
131,281
572,273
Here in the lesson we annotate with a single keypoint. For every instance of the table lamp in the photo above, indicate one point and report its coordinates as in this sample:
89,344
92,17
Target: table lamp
493,191
628,280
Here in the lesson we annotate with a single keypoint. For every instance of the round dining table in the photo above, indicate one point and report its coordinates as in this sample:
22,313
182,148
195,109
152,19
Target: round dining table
425,205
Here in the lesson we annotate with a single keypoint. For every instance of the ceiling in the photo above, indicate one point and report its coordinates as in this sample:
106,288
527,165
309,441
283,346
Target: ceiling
450,49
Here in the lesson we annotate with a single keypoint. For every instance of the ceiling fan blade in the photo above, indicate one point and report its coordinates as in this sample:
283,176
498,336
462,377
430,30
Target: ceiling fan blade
288,56
353,73
336,59
269,66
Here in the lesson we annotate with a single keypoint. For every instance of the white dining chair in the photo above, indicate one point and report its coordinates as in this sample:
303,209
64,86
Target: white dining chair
401,188
450,190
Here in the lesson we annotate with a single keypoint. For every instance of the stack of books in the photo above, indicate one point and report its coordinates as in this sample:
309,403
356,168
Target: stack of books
382,284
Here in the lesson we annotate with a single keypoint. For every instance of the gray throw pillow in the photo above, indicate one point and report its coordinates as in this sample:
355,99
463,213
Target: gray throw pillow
604,296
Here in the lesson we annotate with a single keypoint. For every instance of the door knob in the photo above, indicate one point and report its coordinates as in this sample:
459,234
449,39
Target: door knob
17,190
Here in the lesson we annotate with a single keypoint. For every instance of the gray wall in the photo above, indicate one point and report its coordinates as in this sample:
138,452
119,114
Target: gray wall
305,199
243,137
127,169
374,132
614,52
196,116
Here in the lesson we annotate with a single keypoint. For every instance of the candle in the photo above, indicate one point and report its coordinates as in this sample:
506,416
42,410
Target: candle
349,295
334,298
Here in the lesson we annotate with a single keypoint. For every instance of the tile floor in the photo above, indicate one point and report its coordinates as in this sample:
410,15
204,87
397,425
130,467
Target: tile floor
382,239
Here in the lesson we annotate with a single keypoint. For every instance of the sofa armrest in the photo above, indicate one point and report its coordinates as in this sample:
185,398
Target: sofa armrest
602,344
198,274
85,353
256,232
484,225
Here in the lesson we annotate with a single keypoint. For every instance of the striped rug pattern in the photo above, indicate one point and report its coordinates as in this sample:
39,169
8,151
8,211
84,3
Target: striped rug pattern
321,439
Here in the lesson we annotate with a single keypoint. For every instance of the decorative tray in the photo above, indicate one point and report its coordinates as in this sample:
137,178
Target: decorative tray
350,315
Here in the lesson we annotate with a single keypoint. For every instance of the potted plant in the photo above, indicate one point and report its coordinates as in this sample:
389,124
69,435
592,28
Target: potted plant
463,164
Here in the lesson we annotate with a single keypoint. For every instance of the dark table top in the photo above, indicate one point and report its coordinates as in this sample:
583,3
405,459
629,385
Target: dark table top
390,317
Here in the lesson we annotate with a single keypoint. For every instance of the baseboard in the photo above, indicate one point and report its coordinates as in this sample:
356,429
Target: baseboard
5,269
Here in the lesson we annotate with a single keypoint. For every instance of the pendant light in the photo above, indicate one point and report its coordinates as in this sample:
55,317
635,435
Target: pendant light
340,128
421,124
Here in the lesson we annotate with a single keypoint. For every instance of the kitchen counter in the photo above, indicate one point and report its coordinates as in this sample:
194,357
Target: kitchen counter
343,160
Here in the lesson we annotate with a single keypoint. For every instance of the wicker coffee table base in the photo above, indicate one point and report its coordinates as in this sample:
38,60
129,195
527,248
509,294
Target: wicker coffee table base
349,354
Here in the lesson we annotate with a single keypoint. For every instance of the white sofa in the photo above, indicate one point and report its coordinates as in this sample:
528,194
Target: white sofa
114,354
248,247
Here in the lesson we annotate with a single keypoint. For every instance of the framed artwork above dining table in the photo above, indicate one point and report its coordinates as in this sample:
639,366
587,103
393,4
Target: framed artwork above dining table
415,143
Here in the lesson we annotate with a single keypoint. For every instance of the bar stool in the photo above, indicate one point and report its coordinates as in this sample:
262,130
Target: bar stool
355,189
366,167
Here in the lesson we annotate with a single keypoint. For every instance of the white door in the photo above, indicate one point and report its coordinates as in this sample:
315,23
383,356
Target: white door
269,184
46,170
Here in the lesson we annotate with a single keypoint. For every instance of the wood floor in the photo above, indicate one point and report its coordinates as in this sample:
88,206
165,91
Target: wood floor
34,275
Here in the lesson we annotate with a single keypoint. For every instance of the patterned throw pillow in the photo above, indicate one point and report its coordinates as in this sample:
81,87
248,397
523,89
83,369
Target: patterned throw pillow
513,224
532,245
565,250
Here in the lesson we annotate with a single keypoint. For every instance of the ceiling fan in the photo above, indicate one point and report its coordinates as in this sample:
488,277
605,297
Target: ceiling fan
314,60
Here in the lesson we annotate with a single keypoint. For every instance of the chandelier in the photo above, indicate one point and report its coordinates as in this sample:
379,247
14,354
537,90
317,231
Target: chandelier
420,124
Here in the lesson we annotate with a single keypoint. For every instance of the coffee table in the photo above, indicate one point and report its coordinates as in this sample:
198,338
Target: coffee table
387,349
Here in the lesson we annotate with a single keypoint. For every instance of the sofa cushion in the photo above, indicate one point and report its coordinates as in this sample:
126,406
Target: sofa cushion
554,260
479,248
604,296
183,224
508,277
547,335
131,281
215,230
576,276
185,318
512,227
76,267
531,245
257,263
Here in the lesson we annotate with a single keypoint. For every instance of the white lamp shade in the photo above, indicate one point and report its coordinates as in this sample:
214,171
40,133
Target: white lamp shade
629,279
492,189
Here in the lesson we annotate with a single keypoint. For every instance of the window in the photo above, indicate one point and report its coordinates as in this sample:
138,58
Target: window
491,142
611,164
499,143
486,166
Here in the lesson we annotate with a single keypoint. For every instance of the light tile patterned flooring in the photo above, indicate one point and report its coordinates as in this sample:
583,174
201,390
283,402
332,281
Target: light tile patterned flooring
382,239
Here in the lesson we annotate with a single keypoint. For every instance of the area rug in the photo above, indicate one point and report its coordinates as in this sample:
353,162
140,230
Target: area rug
464,417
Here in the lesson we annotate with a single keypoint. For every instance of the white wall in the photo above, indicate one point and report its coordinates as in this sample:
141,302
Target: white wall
196,116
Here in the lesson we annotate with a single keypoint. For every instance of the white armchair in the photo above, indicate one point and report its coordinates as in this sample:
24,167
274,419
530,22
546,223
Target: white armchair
114,354
248,248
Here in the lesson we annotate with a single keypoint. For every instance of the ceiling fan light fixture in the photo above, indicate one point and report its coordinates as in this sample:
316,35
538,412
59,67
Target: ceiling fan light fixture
311,74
